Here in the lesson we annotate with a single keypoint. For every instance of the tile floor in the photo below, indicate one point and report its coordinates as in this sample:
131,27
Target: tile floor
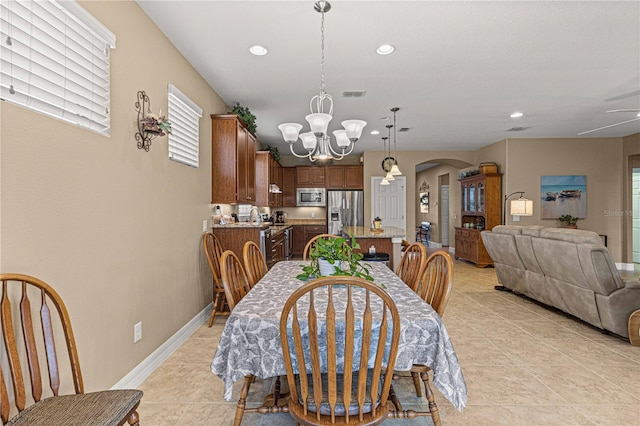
523,364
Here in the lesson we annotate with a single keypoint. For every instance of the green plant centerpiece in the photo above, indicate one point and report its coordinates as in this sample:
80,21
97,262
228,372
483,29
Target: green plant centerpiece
568,220
245,115
340,255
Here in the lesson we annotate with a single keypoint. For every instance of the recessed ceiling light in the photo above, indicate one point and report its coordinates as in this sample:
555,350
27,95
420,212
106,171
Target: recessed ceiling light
258,50
375,132
516,115
385,49
639,114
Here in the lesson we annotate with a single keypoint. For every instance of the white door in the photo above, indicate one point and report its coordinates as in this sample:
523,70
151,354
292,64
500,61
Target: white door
389,202
444,215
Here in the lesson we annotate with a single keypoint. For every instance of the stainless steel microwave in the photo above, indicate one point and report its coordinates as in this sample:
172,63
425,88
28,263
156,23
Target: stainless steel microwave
311,197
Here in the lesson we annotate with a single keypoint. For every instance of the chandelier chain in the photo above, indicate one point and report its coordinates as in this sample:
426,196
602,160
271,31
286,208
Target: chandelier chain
322,85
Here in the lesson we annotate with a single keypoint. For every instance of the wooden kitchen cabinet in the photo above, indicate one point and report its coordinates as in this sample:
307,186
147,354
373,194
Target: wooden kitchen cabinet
288,187
233,154
302,234
275,249
310,176
268,172
344,177
480,208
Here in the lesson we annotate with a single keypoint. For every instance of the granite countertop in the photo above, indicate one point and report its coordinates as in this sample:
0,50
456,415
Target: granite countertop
365,232
274,228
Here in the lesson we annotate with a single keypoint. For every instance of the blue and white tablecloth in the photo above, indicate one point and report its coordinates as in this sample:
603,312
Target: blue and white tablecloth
250,342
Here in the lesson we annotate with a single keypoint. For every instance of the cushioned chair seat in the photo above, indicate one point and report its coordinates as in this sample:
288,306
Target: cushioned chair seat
104,408
340,410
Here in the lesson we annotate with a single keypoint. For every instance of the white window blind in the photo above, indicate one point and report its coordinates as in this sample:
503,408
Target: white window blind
184,116
54,59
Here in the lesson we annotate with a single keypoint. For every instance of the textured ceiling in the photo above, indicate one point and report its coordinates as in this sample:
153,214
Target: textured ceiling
459,70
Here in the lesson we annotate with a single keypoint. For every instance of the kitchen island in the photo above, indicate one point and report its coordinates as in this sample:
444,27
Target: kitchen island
389,241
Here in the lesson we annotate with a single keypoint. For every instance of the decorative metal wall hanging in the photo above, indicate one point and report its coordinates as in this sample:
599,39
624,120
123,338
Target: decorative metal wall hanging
150,125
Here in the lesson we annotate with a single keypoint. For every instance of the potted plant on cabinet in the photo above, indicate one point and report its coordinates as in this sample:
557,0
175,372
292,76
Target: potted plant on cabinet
569,221
245,115
333,256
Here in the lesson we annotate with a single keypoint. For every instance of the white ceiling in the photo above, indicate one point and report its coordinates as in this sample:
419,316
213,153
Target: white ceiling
459,70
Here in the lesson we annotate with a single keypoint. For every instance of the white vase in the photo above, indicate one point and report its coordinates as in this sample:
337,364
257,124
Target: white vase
326,268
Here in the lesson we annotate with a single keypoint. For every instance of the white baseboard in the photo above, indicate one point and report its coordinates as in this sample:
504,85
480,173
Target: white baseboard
139,374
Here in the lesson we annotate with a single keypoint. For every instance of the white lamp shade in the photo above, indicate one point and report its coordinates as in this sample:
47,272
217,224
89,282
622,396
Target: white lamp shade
395,170
308,141
290,131
354,128
384,181
389,176
521,207
319,122
341,138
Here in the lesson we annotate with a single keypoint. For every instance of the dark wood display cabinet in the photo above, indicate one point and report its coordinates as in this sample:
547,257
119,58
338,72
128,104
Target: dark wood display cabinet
480,210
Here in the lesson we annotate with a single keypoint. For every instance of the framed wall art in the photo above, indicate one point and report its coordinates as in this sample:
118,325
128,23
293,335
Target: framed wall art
562,195
424,202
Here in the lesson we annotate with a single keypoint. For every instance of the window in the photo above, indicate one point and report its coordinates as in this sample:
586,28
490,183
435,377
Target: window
184,116
54,59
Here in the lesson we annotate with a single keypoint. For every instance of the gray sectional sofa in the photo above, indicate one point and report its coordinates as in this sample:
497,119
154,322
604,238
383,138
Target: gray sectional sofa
569,269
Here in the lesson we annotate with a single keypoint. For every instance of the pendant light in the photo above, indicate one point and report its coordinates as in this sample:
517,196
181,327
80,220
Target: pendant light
389,176
395,170
384,181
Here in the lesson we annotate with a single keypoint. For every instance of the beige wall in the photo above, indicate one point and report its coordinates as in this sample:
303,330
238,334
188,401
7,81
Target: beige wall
599,159
114,229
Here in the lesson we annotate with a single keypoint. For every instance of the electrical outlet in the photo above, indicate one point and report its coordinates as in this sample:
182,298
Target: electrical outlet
137,332
204,225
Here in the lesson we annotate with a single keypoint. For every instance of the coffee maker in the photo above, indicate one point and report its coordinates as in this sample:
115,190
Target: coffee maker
279,216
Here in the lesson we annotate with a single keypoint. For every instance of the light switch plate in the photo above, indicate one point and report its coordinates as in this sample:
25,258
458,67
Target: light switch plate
204,225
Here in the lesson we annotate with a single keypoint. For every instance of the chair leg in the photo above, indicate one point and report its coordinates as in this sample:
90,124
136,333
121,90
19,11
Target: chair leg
417,384
216,301
433,408
242,402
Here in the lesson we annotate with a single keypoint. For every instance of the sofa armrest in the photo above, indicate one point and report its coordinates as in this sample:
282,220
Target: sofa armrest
631,283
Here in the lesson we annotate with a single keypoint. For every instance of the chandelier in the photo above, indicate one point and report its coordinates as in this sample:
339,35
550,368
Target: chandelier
317,141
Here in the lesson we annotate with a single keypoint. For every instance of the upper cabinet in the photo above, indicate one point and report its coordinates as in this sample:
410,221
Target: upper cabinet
310,176
288,187
344,177
268,178
233,155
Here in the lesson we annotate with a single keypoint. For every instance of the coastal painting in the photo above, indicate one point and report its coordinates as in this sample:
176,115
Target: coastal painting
563,195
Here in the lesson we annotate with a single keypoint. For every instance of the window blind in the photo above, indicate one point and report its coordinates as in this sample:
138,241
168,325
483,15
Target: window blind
184,116
54,59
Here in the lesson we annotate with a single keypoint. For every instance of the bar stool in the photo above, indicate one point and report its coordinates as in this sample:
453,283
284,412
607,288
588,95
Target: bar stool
423,233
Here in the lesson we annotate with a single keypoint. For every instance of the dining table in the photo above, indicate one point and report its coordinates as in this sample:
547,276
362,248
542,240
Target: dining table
250,342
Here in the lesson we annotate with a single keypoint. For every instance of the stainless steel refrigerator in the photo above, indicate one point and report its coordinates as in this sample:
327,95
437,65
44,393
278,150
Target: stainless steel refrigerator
344,208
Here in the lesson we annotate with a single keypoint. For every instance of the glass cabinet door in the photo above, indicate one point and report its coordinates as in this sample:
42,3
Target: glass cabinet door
465,198
472,197
481,196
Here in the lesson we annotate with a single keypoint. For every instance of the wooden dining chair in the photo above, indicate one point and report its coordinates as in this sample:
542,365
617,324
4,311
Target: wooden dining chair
312,241
32,315
213,250
339,395
434,288
412,265
234,279
254,263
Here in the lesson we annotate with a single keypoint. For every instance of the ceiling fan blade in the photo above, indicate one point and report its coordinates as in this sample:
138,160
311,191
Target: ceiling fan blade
624,110
606,127
623,96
